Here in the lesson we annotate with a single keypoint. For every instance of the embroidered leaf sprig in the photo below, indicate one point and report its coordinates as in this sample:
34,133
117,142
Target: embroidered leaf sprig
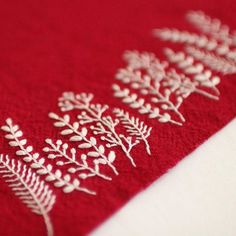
68,155
32,191
77,135
134,127
14,135
101,124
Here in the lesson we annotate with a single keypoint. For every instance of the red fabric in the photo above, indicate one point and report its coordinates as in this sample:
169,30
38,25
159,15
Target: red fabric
47,47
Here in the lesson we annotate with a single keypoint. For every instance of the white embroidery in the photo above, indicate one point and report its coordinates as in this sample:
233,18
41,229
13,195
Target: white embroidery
219,64
217,49
32,191
212,26
134,127
97,152
143,107
160,83
14,134
201,77
102,125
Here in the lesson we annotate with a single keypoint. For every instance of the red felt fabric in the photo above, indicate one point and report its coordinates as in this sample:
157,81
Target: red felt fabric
47,47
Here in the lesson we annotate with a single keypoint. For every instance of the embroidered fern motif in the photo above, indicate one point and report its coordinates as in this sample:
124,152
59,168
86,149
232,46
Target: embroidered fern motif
143,107
212,26
134,127
85,143
214,62
216,49
102,125
32,191
14,135
201,76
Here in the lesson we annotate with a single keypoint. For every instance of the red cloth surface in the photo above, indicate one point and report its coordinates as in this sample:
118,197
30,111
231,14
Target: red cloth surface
48,47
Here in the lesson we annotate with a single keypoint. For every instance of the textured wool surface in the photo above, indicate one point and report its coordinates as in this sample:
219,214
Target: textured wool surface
47,47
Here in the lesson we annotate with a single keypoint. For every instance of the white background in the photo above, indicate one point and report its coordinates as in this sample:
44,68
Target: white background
195,198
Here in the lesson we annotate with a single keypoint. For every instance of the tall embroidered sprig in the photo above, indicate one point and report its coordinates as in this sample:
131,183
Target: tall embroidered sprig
32,191
141,105
14,135
217,46
212,26
62,150
102,125
97,152
201,76
134,127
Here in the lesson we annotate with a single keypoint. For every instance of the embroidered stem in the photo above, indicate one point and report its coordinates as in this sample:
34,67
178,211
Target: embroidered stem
33,192
26,152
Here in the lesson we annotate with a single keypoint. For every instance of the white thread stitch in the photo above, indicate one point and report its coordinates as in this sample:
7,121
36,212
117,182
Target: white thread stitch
139,103
199,41
32,191
200,75
86,143
217,49
165,88
60,149
134,127
212,26
101,124
219,64
14,134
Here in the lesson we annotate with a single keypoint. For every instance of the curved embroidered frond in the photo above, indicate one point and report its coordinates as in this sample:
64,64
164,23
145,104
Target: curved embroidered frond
81,136
199,41
134,127
68,157
103,125
211,26
200,76
14,135
32,191
140,104
214,62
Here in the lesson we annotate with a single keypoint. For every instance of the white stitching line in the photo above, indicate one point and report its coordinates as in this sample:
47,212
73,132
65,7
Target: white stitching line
32,191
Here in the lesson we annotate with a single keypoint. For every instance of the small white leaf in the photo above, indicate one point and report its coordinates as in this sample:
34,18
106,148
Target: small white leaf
6,128
9,136
111,156
59,124
85,145
23,141
68,189
66,118
13,144
60,163
101,149
165,118
76,183
27,159
72,170
29,149
67,178
93,141
93,154
84,131
41,161
75,138
20,153
76,125
58,174
102,161
50,178
18,134
35,165
83,176
59,184
53,116
66,131
42,172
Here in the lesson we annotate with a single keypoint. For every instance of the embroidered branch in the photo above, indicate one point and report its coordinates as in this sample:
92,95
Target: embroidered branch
14,135
97,152
134,127
32,191
216,49
139,103
200,75
100,123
